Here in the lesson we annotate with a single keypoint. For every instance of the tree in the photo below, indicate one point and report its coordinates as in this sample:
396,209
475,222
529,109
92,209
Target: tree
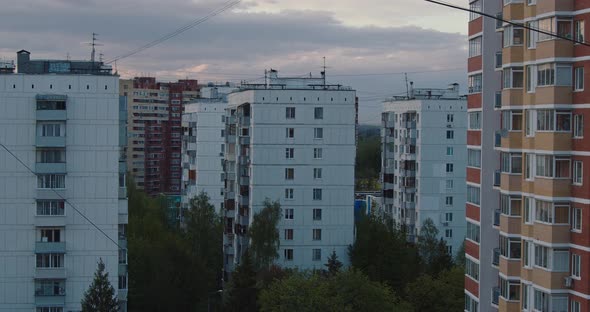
299,292
460,257
264,234
100,296
438,295
432,250
242,292
382,252
333,264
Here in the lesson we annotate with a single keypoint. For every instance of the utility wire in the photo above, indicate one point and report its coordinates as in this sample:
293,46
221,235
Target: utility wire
399,73
61,197
228,5
541,31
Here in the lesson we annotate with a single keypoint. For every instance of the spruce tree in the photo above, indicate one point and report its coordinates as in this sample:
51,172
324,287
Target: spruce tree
100,296
333,264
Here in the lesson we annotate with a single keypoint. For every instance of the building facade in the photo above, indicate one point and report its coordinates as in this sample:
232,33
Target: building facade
64,125
291,140
540,156
423,156
203,146
155,131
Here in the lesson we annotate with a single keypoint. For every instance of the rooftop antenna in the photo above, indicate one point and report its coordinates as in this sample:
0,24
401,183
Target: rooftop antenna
324,72
407,88
94,45
68,56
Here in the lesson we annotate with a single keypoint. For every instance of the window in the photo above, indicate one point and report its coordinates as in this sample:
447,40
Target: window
577,174
554,74
532,34
473,194
551,212
50,208
563,121
318,113
510,205
317,254
576,264
318,133
578,126
511,163
509,290
317,173
529,207
450,134
51,156
449,151
290,113
289,173
541,302
576,306
510,247
50,288
577,219
49,235
289,193
474,83
579,78
317,153
552,166
449,168
288,234
51,129
579,30
51,105
290,133
122,281
474,6
51,181
472,269
471,305
513,36
449,217
513,77
449,184
289,214
317,234
545,120
472,232
288,253
474,120
317,194
475,47
448,233
474,158
512,120
49,309
50,260
530,78
123,256
548,25
289,153
450,118
317,214
449,200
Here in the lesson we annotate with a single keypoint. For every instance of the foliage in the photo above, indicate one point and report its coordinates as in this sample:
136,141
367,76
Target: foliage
100,296
432,250
368,158
264,234
442,294
242,292
171,268
333,264
382,252
346,291
460,256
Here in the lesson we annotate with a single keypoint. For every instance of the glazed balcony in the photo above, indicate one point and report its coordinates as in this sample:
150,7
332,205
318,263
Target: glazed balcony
547,6
512,182
50,273
508,306
510,224
513,11
509,267
512,97
513,54
50,247
512,140
553,141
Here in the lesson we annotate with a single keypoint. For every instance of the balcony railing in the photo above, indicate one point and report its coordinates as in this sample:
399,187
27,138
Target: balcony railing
497,217
499,18
497,177
498,100
498,139
495,295
496,257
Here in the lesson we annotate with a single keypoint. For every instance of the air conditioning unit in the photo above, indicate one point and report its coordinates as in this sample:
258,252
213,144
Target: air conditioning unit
568,282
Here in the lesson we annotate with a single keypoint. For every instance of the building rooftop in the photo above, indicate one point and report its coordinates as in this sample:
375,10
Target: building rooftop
274,82
25,65
450,93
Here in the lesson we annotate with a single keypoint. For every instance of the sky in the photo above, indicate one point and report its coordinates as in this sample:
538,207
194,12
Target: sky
367,44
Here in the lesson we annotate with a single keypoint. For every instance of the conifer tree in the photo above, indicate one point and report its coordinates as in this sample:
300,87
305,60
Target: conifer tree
100,296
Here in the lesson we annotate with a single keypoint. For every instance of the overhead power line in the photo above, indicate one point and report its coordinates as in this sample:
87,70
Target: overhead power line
226,6
522,25
62,198
400,73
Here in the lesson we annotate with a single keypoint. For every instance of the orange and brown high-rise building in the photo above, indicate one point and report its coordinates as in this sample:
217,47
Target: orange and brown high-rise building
528,206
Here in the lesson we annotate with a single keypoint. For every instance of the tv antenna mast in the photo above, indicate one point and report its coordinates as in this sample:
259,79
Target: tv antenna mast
94,45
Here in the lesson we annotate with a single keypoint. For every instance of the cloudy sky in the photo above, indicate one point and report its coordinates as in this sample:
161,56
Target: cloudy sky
366,43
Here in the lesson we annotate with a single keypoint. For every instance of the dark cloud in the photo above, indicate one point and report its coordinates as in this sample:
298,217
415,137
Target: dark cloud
233,45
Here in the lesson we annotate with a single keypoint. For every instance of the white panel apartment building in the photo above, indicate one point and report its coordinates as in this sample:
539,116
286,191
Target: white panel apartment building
291,140
423,159
203,146
63,125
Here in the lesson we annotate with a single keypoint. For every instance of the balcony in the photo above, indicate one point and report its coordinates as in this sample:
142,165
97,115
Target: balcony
498,100
50,273
122,192
549,279
46,141
497,214
46,247
496,257
122,295
244,140
50,167
244,160
498,60
50,221
497,178
510,224
553,94
495,295
244,180
410,125
41,300
552,233
553,141
46,115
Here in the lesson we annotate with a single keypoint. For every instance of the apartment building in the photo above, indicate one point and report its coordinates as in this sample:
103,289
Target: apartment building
155,131
423,139
61,119
291,140
543,199
203,146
